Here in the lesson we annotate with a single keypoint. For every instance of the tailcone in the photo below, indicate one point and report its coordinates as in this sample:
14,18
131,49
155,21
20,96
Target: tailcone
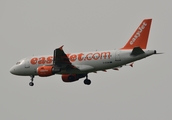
150,52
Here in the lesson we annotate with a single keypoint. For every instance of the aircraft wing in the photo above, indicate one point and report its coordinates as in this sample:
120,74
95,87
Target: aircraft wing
60,59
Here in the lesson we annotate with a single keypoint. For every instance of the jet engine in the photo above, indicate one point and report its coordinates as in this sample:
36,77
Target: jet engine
44,71
72,77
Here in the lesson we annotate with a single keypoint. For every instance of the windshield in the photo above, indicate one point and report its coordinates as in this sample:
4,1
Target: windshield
19,62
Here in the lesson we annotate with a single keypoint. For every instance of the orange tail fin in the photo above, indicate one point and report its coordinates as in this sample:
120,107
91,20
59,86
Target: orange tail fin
140,37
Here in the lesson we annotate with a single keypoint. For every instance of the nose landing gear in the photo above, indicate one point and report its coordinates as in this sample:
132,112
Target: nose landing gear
31,83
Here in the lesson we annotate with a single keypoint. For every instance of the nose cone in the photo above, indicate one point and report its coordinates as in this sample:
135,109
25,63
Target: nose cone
16,70
13,71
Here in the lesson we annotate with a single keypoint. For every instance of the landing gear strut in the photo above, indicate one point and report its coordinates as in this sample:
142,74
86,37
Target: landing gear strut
87,81
31,83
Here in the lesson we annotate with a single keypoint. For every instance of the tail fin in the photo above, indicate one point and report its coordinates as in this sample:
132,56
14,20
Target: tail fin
140,37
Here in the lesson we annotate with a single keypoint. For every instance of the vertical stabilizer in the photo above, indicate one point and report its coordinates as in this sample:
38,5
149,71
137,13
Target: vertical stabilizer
140,36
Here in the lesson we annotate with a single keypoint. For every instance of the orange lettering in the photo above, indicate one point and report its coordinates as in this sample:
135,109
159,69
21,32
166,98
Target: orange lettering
41,60
96,56
80,56
105,55
49,59
73,58
33,61
88,57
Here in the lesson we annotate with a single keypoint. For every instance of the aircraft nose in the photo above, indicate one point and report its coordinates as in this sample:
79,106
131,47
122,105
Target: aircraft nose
12,70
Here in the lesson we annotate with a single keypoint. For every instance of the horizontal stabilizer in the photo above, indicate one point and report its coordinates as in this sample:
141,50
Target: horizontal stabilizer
137,51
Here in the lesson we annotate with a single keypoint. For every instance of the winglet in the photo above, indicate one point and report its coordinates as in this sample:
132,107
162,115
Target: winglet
140,36
61,48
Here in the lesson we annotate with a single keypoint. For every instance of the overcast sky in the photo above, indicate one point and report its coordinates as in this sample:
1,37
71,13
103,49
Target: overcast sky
37,27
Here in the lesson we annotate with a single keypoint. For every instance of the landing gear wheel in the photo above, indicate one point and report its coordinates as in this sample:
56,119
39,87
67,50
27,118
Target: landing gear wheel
31,84
87,82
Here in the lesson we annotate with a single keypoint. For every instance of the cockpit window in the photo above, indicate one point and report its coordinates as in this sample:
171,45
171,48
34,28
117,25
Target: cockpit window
20,62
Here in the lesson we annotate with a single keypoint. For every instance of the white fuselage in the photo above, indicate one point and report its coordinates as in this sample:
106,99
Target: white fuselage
85,62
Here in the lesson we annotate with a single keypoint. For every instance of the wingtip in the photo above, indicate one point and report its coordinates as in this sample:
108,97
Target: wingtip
61,48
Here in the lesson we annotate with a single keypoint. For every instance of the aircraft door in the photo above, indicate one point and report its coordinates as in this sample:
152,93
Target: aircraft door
117,55
27,65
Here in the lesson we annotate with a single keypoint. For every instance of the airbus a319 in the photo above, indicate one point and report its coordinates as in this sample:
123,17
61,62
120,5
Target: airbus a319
74,66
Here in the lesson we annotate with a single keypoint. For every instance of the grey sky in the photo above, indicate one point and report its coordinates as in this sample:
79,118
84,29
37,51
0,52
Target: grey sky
37,27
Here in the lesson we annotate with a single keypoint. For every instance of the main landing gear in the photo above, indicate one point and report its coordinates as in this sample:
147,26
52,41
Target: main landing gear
31,83
87,81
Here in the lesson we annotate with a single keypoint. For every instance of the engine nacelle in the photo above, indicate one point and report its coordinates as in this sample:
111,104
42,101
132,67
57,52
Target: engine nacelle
44,71
72,77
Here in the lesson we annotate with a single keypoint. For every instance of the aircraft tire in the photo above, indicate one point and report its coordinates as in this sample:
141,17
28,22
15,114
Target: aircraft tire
31,84
87,82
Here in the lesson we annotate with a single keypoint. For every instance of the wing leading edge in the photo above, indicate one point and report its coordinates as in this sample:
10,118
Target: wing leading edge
60,58
62,62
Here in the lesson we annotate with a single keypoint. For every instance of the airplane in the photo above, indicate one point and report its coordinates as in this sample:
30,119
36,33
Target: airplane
74,66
